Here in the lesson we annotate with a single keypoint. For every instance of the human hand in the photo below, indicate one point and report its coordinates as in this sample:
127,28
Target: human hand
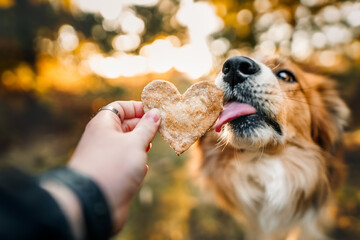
112,151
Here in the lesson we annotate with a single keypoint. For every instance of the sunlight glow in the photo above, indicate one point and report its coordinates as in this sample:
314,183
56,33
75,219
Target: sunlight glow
219,46
264,22
244,16
110,9
351,13
199,27
331,14
130,23
312,3
337,34
193,58
301,47
122,65
108,67
196,54
354,18
128,42
132,65
160,55
328,58
262,5
68,39
267,47
319,40
279,32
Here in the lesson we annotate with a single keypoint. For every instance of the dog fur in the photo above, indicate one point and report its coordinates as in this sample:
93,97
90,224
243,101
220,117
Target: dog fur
278,183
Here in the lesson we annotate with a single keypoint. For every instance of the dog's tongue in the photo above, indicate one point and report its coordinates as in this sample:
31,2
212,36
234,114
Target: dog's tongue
231,111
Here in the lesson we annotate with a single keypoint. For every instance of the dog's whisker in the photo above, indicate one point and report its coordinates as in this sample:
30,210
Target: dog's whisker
277,66
221,146
300,89
292,90
262,153
225,145
296,100
221,142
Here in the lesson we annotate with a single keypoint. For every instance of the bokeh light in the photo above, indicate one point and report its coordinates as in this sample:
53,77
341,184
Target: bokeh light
67,38
126,42
161,55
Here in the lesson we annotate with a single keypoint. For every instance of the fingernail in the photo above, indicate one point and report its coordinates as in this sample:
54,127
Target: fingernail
153,114
146,168
148,147
218,129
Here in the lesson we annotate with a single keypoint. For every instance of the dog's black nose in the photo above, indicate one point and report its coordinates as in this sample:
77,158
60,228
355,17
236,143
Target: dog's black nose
238,69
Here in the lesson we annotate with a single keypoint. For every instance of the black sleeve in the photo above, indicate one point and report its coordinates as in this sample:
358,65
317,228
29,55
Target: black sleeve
27,211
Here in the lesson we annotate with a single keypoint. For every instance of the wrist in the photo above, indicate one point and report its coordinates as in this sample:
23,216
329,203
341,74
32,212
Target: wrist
69,204
117,194
97,219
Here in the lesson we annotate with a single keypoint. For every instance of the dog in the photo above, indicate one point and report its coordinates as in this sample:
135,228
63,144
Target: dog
276,155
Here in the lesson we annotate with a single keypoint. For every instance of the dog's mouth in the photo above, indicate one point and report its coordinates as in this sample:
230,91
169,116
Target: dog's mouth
239,113
233,110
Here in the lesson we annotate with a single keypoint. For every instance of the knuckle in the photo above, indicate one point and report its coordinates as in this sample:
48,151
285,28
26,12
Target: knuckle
91,124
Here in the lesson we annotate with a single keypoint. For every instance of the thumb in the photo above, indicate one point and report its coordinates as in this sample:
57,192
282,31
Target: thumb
147,127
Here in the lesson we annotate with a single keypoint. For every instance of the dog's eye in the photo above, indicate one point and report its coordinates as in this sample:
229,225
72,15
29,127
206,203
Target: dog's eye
286,76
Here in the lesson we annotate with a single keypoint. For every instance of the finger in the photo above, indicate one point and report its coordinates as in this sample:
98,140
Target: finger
147,127
126,110
129,124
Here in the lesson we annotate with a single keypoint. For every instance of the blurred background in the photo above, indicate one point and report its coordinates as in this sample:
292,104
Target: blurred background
60,61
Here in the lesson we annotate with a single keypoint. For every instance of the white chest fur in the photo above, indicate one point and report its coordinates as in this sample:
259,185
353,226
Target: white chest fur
271,192
263,190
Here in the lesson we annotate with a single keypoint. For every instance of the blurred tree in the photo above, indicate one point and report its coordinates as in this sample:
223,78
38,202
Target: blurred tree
24,22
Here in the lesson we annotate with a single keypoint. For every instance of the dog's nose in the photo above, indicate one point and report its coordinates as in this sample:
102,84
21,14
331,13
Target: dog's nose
238,69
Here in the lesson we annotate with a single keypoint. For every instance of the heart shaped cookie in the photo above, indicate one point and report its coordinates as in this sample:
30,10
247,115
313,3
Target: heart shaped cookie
184,118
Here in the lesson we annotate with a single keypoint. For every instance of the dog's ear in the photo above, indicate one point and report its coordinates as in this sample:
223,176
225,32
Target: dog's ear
329,115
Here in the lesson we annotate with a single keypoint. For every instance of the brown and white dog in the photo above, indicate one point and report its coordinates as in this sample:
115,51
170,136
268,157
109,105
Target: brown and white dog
277,155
